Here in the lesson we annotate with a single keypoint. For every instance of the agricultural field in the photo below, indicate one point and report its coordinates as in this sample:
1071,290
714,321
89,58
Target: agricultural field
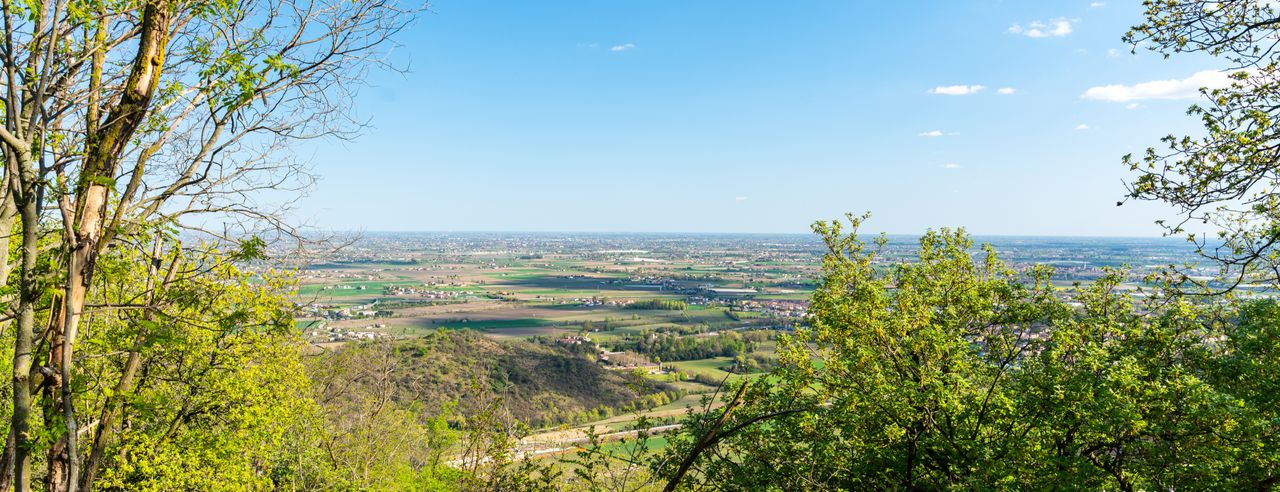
685,312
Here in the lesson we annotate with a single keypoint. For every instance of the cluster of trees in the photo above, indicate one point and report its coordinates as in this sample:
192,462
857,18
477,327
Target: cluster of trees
957,371
672,347
540,382
664,304
751,363
640,403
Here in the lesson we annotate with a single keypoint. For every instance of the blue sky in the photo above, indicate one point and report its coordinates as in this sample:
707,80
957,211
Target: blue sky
732,116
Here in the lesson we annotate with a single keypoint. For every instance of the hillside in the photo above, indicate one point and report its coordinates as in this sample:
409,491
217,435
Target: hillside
537,384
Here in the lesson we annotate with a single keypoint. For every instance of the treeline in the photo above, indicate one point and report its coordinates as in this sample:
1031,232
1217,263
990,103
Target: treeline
642,403
665,304
675,347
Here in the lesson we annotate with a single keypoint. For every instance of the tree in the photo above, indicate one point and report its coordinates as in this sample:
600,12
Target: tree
132,117
376,436
1227,179
954,371
214,383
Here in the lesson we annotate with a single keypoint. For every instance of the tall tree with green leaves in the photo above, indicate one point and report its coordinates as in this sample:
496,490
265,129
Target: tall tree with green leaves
903,377
127,118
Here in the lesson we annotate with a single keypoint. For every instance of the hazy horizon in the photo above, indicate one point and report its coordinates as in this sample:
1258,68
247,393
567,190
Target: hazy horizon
739,233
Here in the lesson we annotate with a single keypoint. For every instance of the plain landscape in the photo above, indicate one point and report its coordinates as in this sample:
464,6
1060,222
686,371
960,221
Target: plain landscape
583,312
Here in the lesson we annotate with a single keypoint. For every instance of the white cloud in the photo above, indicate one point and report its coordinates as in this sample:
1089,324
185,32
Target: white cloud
1004,91
933,133
1187,88
951,165
622,47
739,198
1082,127
1036,29
1112,53
957,90
1097,5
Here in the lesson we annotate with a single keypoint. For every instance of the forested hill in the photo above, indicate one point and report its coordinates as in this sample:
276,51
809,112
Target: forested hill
536,383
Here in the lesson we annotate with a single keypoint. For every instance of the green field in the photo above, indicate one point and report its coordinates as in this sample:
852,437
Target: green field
709,367
371,288
624,448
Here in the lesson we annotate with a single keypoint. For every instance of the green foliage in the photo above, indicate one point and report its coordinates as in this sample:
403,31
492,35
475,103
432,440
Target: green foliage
672,347
221,383
539,384
252,248
377,436
601,465
1224,180
665,304
956,372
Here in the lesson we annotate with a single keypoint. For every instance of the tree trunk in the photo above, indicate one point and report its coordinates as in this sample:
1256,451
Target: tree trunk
101,159
7,211
28,295
6,460
52,389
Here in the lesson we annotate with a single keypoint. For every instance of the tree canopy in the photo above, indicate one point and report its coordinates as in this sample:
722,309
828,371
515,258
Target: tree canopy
955,372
